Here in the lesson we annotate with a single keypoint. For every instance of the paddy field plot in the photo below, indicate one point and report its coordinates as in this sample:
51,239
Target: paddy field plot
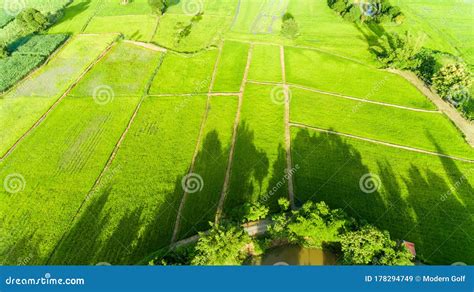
208,7
181,73
132,212
211,163
124,71
26,103
259,157
266,64
422,130
79,137
204,33
76,16
420,198
133,27
334,74
259,16
114,8
231,67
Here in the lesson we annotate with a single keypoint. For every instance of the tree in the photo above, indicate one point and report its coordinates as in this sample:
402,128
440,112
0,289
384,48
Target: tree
370,246
31,20
289,27
399,51
254,211
3,52
158,6
452,78
222,245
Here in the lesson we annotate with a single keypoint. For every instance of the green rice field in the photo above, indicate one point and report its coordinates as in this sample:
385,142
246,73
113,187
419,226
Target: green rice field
142,128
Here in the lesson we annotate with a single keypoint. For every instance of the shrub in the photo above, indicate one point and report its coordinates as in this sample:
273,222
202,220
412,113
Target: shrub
451,78
370,246
289,27
31,20
222,245
399,51
254,212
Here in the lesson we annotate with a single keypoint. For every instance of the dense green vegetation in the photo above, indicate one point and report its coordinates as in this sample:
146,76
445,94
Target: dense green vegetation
26,57
110,127
315,225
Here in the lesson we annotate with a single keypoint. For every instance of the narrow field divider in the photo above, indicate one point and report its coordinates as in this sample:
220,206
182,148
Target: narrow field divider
303,126
58,101
225,187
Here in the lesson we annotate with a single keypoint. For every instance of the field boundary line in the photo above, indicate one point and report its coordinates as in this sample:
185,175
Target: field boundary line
463,125
56,103
347,97
149,46
155,29
195,94
301,47
225,187
289,160
110,159
198,143
304,126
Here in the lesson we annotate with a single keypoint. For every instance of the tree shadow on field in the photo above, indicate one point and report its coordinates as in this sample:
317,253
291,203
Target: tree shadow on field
71,11
250,166
278,183
371,32
443,210
201,206
331,170
133,237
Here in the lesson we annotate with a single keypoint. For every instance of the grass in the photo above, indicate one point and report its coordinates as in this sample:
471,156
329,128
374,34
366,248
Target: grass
194,73
448,25
79,137
414,129
266,64
259,17
123,72
259,157
133,27
114,8
76,16
205,33
324,72
25,104
231,67
421,199
133,211
211,164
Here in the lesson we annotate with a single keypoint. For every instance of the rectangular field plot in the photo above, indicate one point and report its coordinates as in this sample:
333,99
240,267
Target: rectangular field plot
211,162
27,102
259,157
133,27
231,67
259,16
113,8
209,7
322,28
125,71
419,198
133,211
334,74
76,16
266,64
428,131
55,167
185,74
203,33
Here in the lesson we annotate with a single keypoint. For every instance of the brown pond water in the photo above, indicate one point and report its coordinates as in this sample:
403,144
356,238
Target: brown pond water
295,256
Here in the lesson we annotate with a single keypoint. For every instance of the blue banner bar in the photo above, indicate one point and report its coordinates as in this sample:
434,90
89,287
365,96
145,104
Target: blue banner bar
274,278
